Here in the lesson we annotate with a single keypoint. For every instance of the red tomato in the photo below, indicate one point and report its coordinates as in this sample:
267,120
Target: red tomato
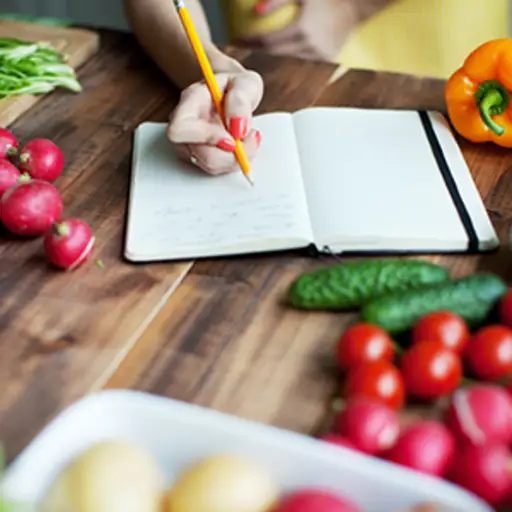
505,309
489,352
443,326
378,380
430,370
361,343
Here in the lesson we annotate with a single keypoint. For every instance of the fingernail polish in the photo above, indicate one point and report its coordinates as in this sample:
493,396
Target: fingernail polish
226,145
238,127
261,7
258,137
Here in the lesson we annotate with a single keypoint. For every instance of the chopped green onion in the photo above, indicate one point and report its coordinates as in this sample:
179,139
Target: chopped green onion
33,68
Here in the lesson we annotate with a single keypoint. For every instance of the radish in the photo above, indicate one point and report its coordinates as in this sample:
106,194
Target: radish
370,426
480,414
315,500
42,159
8,144
69,243
508,388
485,471
427,446
31,207
338,440
9,176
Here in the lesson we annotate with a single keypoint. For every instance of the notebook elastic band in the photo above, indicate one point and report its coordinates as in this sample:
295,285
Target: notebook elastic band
451,185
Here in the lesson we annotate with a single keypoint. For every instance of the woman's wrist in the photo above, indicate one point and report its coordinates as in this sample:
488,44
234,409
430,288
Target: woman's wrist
222,63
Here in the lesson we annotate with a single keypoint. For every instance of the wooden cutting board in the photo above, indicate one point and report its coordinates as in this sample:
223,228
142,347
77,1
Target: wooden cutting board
78,44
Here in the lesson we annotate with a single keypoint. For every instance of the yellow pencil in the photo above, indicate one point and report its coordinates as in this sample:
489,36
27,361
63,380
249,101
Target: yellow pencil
211,82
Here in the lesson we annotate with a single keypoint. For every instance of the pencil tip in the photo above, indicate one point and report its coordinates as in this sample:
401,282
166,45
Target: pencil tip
249,179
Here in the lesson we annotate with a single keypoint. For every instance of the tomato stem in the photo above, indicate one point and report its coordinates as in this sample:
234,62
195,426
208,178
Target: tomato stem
337,404
467,382
398,349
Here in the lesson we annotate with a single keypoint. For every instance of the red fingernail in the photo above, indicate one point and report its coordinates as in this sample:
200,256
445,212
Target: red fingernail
258,137
261,7
238,127
226,145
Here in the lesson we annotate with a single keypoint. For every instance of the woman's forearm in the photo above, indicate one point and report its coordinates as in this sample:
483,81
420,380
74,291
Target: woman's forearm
158,28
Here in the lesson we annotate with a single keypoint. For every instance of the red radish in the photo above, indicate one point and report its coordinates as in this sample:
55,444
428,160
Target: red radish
9,176
315,500
31,207
509,389
338,441
480,414
42,159
485,471
370,426
427,446
69,243
8,144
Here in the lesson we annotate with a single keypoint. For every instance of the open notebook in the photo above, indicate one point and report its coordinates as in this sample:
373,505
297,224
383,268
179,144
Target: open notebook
340,179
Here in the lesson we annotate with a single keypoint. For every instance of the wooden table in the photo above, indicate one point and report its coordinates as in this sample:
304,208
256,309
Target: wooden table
222,339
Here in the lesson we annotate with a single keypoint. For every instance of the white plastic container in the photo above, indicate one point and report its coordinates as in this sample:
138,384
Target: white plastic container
178,433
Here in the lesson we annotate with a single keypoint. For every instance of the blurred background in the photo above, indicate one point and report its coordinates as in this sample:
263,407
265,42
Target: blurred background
109,13
464,25
101,13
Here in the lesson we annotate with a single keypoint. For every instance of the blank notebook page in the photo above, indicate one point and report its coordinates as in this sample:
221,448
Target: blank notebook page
372,181
177,211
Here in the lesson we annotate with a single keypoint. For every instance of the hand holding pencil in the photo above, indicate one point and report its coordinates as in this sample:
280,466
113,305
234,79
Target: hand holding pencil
211,125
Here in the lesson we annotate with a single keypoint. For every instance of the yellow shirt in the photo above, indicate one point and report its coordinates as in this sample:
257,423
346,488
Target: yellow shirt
422,37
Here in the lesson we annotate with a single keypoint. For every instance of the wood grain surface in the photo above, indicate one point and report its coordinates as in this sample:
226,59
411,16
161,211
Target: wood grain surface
78,44
224,338
61,333
72,331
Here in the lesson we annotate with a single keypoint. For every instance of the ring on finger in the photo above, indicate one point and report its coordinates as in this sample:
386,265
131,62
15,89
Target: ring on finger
193,160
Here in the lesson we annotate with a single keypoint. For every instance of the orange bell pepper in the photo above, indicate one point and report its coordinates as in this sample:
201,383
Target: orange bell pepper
478,94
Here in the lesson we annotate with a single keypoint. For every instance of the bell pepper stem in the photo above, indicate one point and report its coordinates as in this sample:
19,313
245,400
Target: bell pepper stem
491,99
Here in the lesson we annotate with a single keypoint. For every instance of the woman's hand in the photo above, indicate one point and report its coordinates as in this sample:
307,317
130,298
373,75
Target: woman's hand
319,31
197,132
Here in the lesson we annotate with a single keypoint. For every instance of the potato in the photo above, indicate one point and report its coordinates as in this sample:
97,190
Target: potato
110,476
222,483
424,507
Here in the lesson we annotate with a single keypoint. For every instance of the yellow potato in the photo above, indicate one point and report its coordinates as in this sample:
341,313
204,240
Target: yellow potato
247,24
222,484
109,477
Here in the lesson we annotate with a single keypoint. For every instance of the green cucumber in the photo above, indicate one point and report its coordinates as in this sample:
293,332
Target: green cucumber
351,285
471,297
